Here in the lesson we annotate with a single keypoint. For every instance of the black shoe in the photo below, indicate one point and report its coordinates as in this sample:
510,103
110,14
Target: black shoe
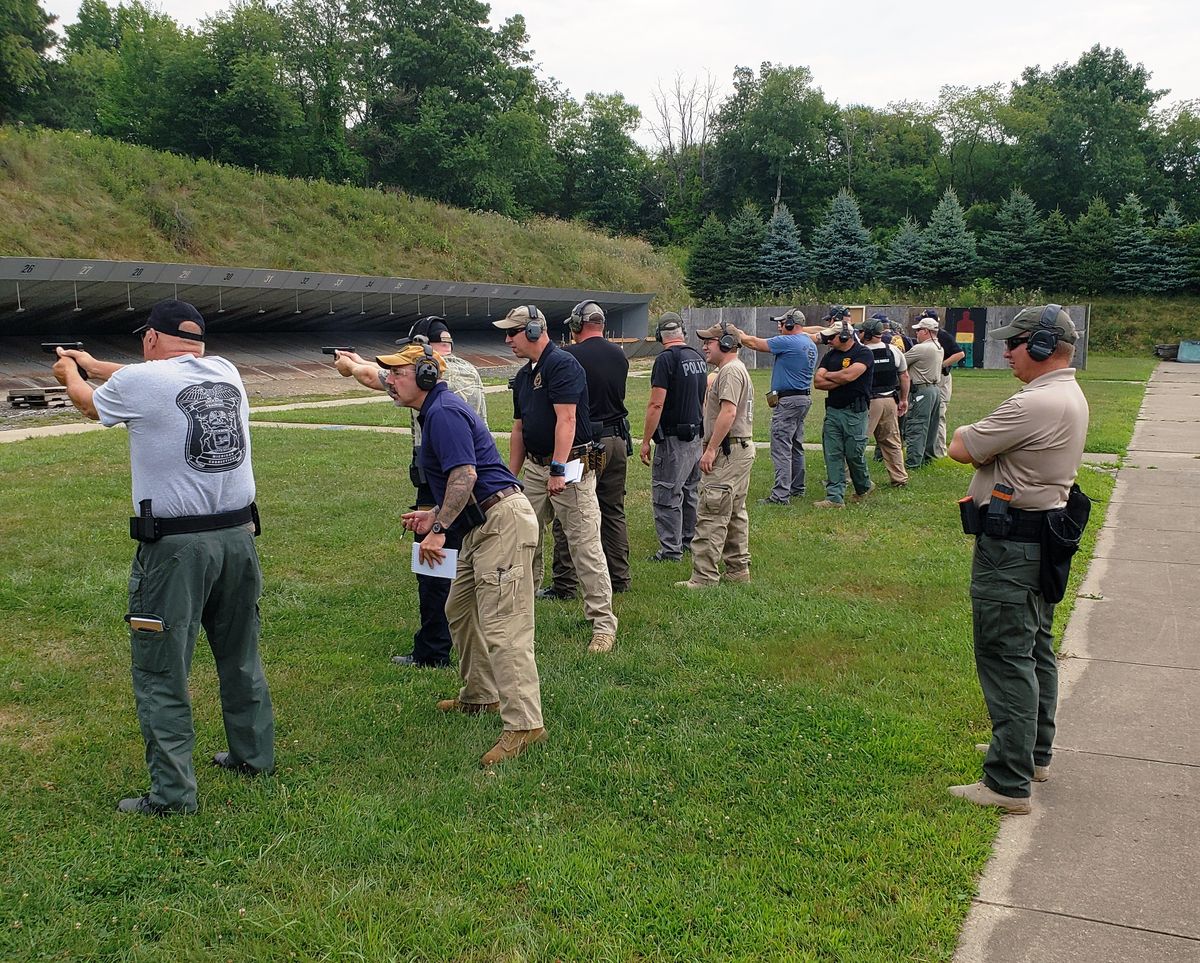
660,557
223,761
619,589
143,805
773,501
413,663
554,595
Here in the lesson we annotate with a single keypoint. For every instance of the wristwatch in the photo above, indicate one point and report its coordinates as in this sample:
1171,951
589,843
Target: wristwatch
437,528
558,469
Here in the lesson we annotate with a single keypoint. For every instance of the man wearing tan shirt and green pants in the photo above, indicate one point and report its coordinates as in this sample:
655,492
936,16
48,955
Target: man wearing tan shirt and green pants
722,523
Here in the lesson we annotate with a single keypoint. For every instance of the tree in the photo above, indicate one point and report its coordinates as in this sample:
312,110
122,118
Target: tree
1092,241
1170,251
707,269
975,155
1181,156
1133,254
782,264
1012,254
608,185
891,159
1058,254
901,264
746,233
842,254
25,36
947,247
680,170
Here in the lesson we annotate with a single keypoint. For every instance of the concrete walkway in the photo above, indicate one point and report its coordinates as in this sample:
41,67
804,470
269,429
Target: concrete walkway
1108,866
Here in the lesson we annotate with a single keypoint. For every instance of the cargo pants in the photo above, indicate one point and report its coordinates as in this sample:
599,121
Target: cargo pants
920,425
844,442
787,446
210,580
614,534
722,523
674,490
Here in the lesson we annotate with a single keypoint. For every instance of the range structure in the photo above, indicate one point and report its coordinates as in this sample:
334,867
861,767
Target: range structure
72,299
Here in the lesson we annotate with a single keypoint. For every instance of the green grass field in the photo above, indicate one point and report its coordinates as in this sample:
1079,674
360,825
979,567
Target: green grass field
1114,388
758,772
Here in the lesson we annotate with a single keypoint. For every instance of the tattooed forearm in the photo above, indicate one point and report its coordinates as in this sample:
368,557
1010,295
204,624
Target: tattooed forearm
459,486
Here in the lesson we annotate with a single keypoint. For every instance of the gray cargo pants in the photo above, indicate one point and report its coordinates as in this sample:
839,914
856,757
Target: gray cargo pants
675,482
787,446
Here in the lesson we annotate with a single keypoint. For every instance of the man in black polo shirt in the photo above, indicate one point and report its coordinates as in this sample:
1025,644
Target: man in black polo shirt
607,370
550,436
845,372
675,423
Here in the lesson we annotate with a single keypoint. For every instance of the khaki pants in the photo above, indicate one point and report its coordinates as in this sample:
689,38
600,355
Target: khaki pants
614,534
722,524
884,425
579,513
490,610
945,390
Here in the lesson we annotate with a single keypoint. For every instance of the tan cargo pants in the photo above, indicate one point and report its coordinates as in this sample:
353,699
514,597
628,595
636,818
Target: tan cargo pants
722,523
884,424
578,511
490,610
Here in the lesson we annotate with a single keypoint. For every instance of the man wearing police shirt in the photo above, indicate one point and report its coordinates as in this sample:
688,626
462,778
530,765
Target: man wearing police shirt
196,565
1026,455
844,372
889,398
550,429
607,370
722,523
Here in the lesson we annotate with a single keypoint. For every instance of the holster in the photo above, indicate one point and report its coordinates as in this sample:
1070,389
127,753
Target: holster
1060,541
772,399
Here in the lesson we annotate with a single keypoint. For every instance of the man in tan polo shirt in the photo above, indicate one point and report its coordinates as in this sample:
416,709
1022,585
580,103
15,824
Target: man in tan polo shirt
722,523
924,372
1026,455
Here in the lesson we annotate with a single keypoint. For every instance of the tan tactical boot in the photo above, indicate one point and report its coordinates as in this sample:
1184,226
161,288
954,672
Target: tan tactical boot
979,794
1040,773
602,642
693,584
467,708
512,743
736,577
826,503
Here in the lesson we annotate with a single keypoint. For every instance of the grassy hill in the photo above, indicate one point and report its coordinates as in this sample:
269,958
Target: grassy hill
74,195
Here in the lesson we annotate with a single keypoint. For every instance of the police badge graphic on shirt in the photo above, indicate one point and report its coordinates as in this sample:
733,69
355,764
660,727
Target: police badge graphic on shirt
215,441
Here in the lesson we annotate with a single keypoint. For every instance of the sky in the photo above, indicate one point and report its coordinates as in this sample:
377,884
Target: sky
868,52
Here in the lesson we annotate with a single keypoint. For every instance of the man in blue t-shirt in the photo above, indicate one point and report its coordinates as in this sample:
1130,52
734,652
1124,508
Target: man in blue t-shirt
490,608
790,398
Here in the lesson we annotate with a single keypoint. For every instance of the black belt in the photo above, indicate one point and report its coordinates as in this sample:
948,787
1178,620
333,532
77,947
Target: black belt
923,384
544,460
788,392
1026,525
496,497
147,528
616,431
884,394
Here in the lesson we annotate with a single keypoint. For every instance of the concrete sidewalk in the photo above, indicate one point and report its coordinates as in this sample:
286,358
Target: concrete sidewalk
1108,865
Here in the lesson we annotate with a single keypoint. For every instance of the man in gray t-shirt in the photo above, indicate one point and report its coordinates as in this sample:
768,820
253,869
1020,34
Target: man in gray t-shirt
193,494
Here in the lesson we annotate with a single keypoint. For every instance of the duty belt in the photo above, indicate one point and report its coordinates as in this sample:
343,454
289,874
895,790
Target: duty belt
496,497
923,384
1025,525
789,392
147,528
579,451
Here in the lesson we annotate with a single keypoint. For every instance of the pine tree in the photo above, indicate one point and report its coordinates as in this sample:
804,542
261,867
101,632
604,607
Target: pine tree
782,265
1092,241
1170,250
746,233
1012,253
707,272
948,248
902,263
842,254
1058,253
1133,255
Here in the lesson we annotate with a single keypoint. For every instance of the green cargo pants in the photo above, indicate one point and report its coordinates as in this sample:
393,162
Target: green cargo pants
208,579
844,443
1014,657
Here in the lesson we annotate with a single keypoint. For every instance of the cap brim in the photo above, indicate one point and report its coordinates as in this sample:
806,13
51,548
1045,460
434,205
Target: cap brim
507,324
1008,331
144,328
391,361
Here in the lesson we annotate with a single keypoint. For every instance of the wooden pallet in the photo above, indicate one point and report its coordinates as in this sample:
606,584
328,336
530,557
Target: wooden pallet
39,398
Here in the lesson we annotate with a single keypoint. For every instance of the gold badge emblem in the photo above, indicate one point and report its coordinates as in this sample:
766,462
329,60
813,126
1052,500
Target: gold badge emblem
845,362
537,381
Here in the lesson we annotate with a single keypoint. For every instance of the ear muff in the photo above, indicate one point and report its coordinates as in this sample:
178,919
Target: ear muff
664,325
1043,342
576,318
426,370
789,322
727,342
537,324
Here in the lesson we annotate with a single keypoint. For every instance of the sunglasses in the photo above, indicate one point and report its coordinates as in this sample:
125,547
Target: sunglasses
1013,343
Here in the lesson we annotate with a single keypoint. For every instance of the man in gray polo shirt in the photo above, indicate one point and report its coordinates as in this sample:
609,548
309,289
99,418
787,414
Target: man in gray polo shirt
193,492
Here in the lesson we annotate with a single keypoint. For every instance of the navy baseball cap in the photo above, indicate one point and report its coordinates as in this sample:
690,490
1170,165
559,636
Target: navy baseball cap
167,316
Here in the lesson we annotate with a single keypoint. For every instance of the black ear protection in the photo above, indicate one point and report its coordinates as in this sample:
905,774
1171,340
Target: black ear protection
727,342
426,370
575,321
663,325
1043,342
789,322
536,326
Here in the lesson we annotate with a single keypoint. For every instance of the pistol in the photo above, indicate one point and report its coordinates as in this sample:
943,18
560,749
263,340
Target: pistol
331,349
51,347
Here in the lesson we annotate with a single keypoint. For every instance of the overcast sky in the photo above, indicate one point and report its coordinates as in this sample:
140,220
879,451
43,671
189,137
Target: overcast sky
870,52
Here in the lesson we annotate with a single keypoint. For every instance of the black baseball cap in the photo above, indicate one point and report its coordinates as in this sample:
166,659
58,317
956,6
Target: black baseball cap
167,316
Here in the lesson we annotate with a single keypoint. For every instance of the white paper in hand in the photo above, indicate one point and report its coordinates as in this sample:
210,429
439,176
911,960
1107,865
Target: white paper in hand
574,470
446,568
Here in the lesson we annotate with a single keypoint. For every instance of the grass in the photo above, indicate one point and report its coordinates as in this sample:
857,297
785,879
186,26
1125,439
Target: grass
756,773
69,194
1114,388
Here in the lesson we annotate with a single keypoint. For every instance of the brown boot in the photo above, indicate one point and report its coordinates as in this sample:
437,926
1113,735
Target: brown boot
467,708
602,642
511,744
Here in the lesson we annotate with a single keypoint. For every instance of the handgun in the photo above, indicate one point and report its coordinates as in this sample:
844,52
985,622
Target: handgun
332,349
51,347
